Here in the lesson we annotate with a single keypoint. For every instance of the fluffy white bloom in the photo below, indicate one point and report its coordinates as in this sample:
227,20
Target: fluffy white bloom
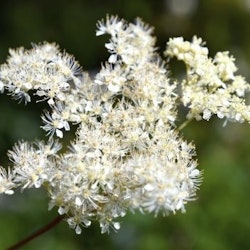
6,181
211,86
43,69
127,153
33,164
130,43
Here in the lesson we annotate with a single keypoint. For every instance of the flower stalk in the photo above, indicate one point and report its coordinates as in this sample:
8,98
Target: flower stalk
36,234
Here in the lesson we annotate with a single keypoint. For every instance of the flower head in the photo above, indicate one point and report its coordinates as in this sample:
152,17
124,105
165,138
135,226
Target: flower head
127,153
43,69
133,43
6,181
211,86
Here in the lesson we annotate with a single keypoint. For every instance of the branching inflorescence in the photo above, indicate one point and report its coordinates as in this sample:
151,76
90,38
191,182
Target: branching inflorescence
127,153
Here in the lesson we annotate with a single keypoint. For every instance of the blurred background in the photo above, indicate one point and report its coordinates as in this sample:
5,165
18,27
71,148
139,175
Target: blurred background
219,218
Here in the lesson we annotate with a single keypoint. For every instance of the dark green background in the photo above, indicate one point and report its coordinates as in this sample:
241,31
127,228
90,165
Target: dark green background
220,218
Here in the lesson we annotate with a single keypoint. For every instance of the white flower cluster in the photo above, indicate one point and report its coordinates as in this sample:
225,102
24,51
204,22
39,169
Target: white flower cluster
211,86
127,153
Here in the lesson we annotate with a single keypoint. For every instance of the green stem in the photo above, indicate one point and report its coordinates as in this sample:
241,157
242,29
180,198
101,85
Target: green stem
184,124
44,229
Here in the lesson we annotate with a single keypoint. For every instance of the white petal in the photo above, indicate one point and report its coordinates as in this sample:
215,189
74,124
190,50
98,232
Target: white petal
114,88
78,230
59,133
116,225
78,201
113,58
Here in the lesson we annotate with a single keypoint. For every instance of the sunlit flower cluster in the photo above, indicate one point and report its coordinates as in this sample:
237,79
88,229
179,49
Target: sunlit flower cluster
211,86
127,154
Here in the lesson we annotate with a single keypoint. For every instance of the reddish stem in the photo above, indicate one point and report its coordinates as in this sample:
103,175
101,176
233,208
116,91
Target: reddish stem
44,229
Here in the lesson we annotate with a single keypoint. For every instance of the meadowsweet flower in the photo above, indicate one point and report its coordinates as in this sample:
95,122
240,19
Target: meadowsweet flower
55,122
43,69
211,86
6,181
132,43
31,163
112,77
127,153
